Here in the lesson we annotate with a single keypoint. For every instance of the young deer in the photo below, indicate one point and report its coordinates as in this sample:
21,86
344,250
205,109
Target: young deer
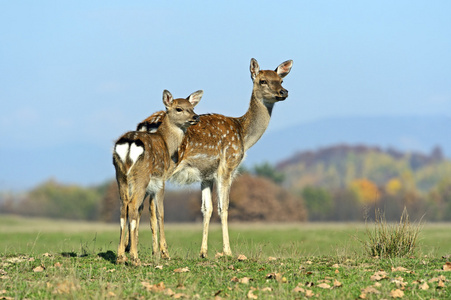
213,149
143,162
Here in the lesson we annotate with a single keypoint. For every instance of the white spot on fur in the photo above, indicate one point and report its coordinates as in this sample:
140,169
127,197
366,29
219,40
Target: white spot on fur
133,225
122,150
135,152
122,223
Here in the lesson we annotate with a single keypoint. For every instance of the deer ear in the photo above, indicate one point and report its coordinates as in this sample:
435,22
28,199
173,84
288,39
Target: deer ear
255,68
167,98
284,68
195,97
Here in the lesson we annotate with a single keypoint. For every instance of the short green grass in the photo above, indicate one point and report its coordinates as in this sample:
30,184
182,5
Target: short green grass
44,259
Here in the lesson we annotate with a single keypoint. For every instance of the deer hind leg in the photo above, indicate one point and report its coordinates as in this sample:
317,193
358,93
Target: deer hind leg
133,215
123,192
207,209
128,237
121,258
153,225
223,185
159,198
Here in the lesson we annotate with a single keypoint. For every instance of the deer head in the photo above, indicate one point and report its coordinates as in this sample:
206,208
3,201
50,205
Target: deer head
180,111
268,84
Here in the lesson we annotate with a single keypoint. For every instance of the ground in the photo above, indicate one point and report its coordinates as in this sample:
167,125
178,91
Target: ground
56,259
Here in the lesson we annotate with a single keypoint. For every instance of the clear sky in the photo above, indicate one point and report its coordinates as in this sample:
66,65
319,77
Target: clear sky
84,72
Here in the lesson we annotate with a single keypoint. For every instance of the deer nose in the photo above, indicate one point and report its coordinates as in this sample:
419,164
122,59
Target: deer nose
196,118
283,93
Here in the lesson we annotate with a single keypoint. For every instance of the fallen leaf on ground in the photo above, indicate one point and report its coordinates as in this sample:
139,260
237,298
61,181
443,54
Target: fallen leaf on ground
182,270
336,271
3,272
153,287
435,279
397,293
47,254
57,265
298,289
337,283
308,262
447,266
441,284
309,293
370,290
111,294
266,289
271,258
39,269
169,292
179,295
335,266
323,286
66,287
379,275
219,254
250,295
244,280
424,286
159,267
241,257
399,269
399,281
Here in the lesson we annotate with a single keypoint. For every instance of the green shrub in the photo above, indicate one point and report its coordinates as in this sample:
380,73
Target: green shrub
392,240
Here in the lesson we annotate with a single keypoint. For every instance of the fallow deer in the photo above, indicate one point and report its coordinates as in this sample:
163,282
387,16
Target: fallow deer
213,149
143,163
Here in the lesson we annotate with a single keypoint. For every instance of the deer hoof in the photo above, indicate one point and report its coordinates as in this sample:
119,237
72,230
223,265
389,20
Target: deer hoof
121,259
136,262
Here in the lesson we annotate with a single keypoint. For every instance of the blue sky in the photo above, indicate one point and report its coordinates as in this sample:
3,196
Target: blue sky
84,72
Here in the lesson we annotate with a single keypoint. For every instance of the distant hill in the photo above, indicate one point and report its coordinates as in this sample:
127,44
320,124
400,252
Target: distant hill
409,133
336,167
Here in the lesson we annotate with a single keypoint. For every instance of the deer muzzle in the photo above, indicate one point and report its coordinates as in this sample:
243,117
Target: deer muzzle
283,94
194,120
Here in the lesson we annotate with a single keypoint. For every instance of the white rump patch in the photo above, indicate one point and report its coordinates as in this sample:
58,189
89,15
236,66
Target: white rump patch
135,152
122,150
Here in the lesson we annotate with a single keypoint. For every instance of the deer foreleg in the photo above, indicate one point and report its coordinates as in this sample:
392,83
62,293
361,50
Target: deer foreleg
153,225
207,209
223,185
159,198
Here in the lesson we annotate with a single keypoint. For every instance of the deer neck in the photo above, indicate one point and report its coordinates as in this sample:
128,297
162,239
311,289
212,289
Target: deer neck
255,120
172,136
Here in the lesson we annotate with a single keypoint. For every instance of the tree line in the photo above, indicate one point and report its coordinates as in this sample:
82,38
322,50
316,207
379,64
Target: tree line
339,183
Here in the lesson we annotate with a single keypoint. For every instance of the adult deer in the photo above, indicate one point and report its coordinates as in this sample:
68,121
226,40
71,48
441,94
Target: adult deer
143,162
213,149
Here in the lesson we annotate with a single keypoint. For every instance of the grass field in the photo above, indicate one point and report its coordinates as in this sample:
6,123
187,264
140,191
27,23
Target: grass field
48,259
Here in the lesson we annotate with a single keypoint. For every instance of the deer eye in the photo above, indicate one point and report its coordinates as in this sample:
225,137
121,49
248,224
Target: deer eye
263,82
179,109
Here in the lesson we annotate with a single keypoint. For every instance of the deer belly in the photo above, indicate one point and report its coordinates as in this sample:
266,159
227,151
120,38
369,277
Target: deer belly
154,185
